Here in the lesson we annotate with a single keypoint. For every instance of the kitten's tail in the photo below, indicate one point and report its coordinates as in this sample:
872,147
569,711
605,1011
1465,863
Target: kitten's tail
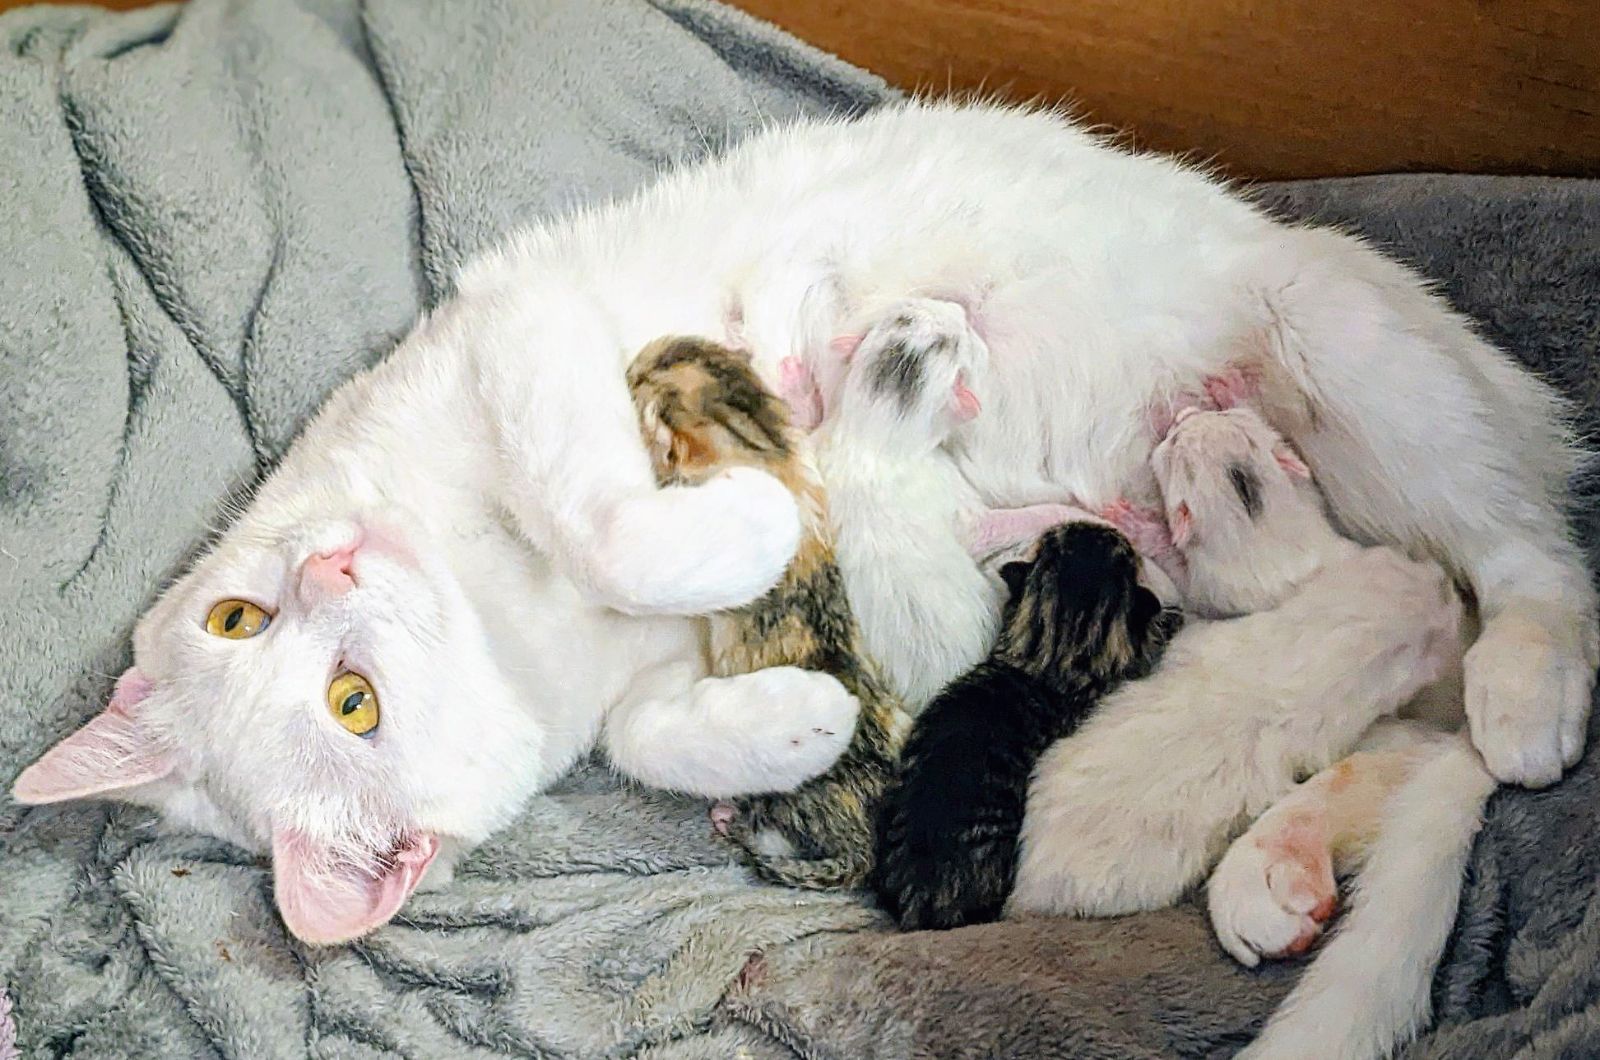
1369,990
814,874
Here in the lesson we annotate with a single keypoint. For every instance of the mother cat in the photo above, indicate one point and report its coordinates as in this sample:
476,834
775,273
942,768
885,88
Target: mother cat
424,614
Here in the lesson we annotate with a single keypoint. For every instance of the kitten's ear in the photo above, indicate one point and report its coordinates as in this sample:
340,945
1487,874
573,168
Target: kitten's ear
111,753
323,902
1015,575
1290,461
1181,525
964,404
844,346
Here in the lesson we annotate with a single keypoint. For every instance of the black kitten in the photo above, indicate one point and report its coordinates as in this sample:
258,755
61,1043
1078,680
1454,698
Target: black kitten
1077,625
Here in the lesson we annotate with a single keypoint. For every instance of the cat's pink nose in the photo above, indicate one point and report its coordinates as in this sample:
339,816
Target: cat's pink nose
329,573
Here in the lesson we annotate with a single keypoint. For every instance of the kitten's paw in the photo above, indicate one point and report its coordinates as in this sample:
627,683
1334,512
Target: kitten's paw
696,549
722,816
1529,684
1273,891
1237,384
924,352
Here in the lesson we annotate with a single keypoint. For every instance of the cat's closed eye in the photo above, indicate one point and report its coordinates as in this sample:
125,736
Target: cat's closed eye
353,702
237,619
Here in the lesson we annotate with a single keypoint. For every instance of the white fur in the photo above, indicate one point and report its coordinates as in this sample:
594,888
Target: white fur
499,446
1139,804
1239,710
1369,988
898,504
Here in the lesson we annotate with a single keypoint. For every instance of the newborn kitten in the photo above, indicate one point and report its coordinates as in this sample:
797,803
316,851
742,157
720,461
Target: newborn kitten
703,411
1241,708
899,504
1077,624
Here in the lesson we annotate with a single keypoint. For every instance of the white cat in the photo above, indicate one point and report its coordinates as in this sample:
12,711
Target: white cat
466,527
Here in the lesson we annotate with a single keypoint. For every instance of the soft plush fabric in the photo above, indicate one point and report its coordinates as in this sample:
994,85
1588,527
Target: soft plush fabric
208,218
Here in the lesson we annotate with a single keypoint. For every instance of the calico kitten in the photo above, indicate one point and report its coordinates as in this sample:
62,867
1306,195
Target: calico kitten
1077,624
703,410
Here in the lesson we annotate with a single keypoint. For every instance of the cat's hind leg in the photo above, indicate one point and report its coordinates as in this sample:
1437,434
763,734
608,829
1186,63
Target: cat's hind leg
1368,991
1422,434
1275,889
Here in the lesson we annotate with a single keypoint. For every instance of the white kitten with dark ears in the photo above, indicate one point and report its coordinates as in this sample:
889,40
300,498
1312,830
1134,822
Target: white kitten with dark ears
496,455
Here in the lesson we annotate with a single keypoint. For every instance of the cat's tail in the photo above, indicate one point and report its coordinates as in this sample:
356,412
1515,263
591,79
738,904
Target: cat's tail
1369,990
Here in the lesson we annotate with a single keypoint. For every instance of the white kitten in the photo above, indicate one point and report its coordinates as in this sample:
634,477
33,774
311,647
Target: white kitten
498,446
898,503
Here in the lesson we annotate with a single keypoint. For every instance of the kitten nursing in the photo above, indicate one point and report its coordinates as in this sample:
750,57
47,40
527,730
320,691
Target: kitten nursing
1078,624
474,529
704,411
1344,635
1336,636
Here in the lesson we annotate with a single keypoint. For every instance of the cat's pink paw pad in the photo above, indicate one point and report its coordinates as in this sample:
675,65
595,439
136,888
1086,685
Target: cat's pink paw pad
798,388
1274,891
722,815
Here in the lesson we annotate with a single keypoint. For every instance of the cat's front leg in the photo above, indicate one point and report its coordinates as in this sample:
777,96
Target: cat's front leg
722,737
574,474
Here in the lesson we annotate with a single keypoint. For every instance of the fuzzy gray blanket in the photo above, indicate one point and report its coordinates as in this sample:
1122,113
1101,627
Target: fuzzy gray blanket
212,215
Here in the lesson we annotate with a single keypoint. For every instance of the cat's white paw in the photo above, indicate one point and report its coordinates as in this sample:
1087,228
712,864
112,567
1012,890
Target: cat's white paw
1273,892
1529,684
697,549
806,722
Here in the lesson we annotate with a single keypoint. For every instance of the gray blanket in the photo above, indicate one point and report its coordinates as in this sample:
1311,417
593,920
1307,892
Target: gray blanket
208,218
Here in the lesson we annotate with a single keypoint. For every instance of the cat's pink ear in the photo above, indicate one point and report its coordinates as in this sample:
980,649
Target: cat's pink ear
1181,525
844,346
964,404
111,753
1290,461
324,903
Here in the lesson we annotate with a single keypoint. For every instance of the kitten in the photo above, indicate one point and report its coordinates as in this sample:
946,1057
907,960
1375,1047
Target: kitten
901,509
703,410
1077,624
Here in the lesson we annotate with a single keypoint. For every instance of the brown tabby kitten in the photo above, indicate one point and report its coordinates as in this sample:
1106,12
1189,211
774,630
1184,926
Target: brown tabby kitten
703,410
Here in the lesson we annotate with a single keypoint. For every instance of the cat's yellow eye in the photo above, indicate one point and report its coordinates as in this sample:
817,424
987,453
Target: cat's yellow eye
237,620
353,703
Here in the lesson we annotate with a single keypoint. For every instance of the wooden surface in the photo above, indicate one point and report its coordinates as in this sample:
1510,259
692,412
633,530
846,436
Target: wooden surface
1269,88
1266,88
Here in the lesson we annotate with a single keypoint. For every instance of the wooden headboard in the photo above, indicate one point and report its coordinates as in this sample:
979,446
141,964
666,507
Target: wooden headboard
1267,88
1264,88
